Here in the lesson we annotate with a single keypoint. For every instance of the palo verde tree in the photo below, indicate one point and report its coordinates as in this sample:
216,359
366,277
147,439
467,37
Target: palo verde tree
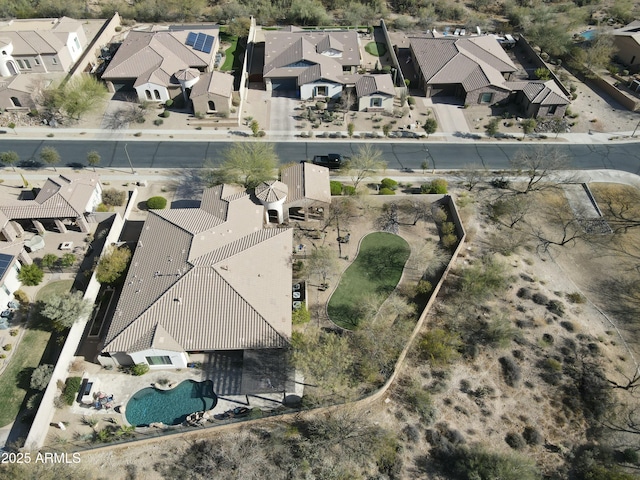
112,265
65,309
93,159
50,156
73,99
364,163
9,158
245,164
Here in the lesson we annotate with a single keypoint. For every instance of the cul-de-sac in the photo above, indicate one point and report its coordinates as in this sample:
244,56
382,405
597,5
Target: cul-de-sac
313,239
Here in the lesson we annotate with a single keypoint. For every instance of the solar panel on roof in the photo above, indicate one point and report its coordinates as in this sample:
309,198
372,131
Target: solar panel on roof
5,261
208,44
191,38
199,42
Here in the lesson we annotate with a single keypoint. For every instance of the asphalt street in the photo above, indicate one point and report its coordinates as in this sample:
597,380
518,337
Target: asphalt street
399,155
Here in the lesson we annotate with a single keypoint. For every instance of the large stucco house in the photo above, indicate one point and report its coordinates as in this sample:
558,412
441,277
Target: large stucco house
627,43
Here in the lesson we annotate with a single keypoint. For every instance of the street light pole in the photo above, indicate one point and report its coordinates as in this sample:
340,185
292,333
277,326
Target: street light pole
429,156
129,158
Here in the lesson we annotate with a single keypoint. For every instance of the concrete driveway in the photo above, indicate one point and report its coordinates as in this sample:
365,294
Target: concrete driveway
281,113
448,113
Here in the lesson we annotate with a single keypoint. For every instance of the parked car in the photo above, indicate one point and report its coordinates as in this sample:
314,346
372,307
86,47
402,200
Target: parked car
332,161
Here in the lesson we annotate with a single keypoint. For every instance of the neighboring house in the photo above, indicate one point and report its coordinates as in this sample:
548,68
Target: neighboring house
311,63
40,45
540,98
375,93
12,257
61,203
203,280
306,193
163,65
473,69
212,93
627,42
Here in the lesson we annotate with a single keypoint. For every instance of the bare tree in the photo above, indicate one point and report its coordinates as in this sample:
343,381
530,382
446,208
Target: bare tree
415,210
323,262
537,165
473,174
510,209
563,226
366,162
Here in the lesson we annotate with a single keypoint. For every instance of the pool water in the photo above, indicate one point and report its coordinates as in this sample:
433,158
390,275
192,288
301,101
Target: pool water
170,407
588,34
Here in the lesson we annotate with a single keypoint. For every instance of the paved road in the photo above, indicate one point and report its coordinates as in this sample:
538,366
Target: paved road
170,154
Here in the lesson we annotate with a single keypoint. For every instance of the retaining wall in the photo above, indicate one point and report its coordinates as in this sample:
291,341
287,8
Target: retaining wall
91,53
627,101
537,59
400,85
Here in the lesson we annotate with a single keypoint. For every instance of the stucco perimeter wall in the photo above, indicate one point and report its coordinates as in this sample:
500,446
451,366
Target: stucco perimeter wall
202,433
243,88
40,427
539,62
104,36
399,78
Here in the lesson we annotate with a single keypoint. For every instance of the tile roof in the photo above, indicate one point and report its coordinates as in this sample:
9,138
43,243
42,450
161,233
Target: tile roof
45,36
370,84
306,180
217,83
474,62
310,55
631,30
157,56
271,191
539,92
65,196
208,283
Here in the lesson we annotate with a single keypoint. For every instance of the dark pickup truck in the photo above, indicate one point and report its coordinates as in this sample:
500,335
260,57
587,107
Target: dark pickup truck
331,161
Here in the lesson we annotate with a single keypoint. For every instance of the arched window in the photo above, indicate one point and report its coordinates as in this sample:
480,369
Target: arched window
16,102
157,94
4,52
12,68
212,105
148,93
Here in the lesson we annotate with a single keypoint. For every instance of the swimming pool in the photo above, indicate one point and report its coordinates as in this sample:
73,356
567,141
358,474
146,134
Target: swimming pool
170,407
588,34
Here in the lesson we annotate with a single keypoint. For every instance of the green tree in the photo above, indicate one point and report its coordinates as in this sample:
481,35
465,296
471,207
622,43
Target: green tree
430,126
493,127
12,126
528,126
93,159
30,275
307,12
65,309
350,129
9,158
73,99
50,156
542,73
112,265
67,260
41,376
440,346
600,51
364,163
239,27
246,164
156,203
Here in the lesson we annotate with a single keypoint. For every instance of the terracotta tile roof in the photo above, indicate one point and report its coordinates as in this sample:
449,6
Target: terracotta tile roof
217,83
306,180
202,279
271,191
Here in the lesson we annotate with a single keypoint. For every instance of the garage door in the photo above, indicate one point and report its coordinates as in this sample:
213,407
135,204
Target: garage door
284,84
123,86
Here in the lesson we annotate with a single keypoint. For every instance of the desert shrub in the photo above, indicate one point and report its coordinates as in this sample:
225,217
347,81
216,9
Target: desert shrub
568,326
524,293
336,187
7,347
349,190
411,101
438,186
419,400
386,191
440,346
484,279
556,307
14,332
548,338
41,376
411,433
389,183
165,114
158,121
21,297
511,371
168,103
576,297
156,203
515,441
449,241
71,389
447,228
424,287
139,369
103,208
532,436
552,365
540,298
113,197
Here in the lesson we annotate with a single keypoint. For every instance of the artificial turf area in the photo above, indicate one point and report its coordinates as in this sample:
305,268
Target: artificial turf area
376,270
376,49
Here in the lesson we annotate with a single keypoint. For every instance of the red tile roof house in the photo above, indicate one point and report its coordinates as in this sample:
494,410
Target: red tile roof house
477,70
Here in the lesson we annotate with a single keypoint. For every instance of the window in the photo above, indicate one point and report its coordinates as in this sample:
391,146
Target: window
12,68
321,91
148,93
212,105
159,360
376,102
54,60
6,290
157,94
37,60
75,40
20,64
27,63
486,97
552,109
16,102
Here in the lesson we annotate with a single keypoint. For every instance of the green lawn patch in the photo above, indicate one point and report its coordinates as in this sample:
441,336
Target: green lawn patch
14,381
376,270
54,288
232,55
376,49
